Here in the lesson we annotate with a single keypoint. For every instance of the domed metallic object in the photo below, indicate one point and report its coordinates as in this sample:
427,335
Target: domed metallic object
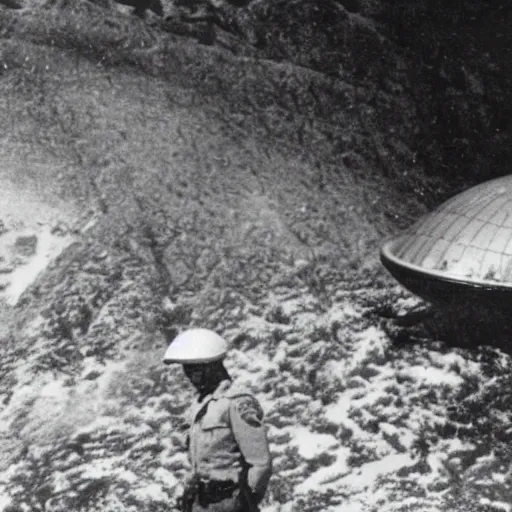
462,250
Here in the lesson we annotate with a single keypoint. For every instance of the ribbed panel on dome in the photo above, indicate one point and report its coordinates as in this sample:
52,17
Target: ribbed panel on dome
468,237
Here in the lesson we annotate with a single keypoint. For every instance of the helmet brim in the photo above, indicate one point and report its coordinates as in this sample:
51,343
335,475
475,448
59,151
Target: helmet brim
184,360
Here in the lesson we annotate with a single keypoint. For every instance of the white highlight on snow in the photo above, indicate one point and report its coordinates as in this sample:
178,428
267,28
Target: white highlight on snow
338,413
311,444
370,341
100,469
152,492
53,389
90,224
432,376
166,477
5,501
366,476
506,507
128,476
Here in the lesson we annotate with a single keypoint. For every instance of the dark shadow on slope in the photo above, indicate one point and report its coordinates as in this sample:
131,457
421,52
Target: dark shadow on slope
459,54
468,326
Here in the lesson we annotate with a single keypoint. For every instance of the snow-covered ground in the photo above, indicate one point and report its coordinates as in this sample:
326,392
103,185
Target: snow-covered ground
355,423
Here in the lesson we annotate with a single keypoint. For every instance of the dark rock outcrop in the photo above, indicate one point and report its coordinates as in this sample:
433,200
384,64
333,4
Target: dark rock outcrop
26,245
141,6
11,4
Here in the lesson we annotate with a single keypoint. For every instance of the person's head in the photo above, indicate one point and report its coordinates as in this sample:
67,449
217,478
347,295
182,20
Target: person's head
205,376
201,353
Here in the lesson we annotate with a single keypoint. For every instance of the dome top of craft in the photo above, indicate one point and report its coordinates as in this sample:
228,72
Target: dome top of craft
467,239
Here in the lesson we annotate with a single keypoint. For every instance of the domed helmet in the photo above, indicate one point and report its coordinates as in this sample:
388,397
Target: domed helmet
195,346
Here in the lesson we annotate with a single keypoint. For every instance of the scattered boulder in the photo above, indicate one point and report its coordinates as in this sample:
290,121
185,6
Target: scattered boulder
60,229
92,375
25,245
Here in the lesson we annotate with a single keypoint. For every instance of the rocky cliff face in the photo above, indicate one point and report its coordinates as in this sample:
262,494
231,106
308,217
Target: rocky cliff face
445,63
157,183
459,54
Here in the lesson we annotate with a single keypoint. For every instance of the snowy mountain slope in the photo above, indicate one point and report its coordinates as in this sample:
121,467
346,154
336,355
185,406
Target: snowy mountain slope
185,185
355,422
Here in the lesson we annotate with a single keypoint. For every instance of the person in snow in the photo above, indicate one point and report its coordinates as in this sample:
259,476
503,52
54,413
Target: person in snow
228,447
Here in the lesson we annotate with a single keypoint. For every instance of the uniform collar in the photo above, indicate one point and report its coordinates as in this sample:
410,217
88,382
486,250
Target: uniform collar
219,393
221,389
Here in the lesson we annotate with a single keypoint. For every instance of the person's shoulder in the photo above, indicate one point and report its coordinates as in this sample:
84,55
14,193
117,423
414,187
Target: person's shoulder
237,390
246,406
